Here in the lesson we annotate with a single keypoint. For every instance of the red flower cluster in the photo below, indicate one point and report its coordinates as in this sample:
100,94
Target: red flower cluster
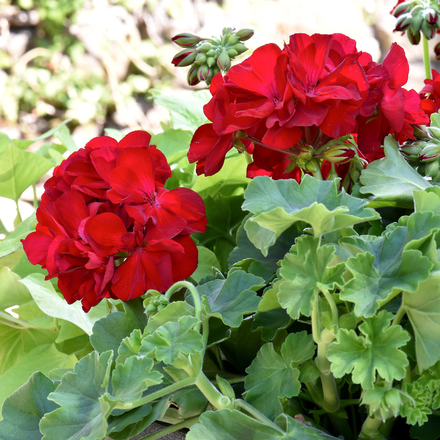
317,88
107,227
430,94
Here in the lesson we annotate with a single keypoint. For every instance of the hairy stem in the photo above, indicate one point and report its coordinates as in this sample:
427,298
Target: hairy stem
426,60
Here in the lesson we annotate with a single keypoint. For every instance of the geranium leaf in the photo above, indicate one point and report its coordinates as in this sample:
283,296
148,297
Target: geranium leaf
272,376
52,304
44,358
227,424
171,313
427,200
133,377
392,178
18,169
378,350
423,310
25,407
129,346
12,242
231,298
247,254
277,204
207,261
173,338
304,270
172,141
81,413
383,266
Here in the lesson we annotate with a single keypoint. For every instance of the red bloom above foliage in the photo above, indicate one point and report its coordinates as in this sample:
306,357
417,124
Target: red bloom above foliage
318,88
107,227
430,94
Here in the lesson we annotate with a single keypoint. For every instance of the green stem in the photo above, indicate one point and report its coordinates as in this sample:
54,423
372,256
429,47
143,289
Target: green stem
370,429
399,315
172,428
214,396
317,174
316,332
241,404
315,393
331,401
34,190
332,304
158,394
426,60
195,295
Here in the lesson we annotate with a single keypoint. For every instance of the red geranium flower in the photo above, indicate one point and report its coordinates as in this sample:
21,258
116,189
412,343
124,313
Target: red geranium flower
108,228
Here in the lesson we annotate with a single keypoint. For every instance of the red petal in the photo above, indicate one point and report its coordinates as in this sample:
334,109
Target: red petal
137,138
188,264
397,65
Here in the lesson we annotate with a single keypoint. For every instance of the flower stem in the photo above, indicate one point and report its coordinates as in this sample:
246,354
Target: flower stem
195,295
172,428
214,396
332,304
426,60
158,394
399,315
11,321
370,429
241,404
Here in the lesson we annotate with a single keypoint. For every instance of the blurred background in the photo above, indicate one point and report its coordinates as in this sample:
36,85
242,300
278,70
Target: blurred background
96,62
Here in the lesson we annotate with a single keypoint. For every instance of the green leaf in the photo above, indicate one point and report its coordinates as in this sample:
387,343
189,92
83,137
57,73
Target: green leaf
305,270
132,378
53,305
12,292
190,402
18,169
15,343
80,414
25,407
278,204
207,260
231,298
172,141
63,134
378,350
427,200
227,424
173,338
129,346
44,358
171,313
392,179
272,376
265,266
423,310
385,266
429,430
269,322
186,111
12,242
109,331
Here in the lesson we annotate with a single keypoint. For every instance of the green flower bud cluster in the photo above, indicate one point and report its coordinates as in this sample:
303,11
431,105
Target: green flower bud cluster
416,17
156,304
424,153
209,56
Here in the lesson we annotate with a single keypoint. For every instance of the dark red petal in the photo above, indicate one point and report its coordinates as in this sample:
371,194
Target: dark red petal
397,65
188,264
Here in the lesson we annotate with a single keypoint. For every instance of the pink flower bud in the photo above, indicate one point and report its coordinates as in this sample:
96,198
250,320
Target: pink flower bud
403,22
184,58
186,39
339,154
192,75
431,16
244,34
401,8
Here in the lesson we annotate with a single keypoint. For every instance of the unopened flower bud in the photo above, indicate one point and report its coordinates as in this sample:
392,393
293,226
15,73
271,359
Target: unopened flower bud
224,61
205,47
428,30
402,8
232,53
411,151
210,53
151,308
200,59
203,72
354,175
433,132
431,16
240,48
210,61
184,58
432,168
312,166
403,22
437,51
430,152
244,34
233,39
338,154
192,75
306,152
414,38
186,39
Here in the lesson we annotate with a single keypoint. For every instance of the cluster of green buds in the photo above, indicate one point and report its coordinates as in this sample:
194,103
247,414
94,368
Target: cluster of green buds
209,56
416,17
424,153
155,303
